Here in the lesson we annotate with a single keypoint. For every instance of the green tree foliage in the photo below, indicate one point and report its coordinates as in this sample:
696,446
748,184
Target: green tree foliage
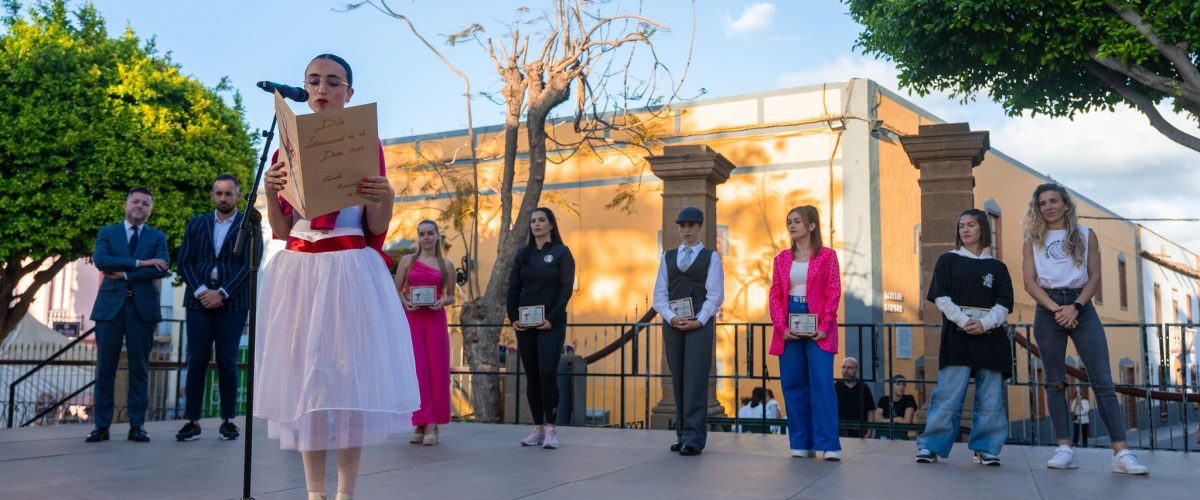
1051,57
88,117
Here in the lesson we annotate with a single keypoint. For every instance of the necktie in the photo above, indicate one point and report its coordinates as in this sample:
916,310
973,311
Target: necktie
688,255
133,241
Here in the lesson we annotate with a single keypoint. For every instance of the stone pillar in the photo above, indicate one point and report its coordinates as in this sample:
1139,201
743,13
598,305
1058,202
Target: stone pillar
690,177
945,154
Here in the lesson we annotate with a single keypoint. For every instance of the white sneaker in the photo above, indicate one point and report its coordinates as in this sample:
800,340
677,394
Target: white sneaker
1126,462
550,441
803,453
1064,458
832,456
535,438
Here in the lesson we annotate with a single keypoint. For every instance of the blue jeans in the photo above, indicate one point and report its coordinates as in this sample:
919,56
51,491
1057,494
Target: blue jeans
806,375
989,420
1092,346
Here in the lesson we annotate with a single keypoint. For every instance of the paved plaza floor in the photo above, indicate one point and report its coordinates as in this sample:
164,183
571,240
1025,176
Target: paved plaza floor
480,461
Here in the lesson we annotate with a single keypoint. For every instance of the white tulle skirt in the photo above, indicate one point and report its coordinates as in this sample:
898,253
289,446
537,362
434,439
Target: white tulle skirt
334,361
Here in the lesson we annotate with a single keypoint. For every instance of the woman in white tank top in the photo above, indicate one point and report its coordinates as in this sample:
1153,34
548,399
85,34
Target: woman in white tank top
1061,270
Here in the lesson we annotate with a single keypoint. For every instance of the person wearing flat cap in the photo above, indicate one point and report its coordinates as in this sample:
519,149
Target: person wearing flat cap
687,294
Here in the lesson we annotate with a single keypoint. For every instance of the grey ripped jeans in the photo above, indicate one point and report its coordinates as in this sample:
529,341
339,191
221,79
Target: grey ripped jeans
1092,347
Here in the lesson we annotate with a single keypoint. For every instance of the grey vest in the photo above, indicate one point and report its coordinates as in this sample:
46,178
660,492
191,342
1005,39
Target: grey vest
682,284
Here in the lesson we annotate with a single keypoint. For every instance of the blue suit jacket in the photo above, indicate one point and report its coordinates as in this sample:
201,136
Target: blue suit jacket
197,257
112,254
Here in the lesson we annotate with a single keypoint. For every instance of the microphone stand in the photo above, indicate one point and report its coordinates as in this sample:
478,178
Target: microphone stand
251,232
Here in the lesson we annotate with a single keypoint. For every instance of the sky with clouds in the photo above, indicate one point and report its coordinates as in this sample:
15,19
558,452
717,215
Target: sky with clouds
739,47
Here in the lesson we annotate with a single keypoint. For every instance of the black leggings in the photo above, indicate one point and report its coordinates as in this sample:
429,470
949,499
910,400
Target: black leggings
540,351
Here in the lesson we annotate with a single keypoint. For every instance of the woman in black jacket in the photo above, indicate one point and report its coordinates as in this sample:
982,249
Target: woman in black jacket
543,274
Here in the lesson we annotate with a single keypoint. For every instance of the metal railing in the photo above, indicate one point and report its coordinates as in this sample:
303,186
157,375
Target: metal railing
1154,370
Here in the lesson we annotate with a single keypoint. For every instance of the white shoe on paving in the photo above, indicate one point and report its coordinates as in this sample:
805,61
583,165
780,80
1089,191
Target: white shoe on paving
832,456
1064,458
534,438
1125,462
550,442
803,453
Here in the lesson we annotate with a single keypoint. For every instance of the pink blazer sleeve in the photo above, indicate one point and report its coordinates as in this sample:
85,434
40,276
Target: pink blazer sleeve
777,299
833,295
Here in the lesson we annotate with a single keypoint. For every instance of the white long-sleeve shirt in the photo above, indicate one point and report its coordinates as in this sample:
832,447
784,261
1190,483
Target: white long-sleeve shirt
714,284
995,317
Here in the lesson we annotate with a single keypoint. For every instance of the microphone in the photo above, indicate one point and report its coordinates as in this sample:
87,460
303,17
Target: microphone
294,93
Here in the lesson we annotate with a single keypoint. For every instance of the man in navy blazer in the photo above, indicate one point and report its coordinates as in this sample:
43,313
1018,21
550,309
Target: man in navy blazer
133,258
217,302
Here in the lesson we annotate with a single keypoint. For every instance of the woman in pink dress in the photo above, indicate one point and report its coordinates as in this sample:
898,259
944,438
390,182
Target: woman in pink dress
415,275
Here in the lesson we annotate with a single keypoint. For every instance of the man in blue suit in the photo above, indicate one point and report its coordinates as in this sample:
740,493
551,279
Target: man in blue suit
217,301
133,258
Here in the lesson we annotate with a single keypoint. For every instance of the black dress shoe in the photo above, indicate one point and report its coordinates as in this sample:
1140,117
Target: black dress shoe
97,435
675,447
138,434
689,451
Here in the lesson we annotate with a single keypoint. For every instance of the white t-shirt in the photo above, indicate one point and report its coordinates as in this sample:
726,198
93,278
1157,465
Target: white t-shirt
1055,268
799,279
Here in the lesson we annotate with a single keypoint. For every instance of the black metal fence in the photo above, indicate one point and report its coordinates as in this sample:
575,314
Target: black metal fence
1154,366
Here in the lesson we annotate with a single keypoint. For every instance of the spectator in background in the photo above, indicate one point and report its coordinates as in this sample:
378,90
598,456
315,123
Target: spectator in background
760,405
1081,410
900,408
773,406
855,401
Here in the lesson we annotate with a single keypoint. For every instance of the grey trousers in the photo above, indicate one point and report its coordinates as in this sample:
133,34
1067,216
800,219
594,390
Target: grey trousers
690,359
1092,347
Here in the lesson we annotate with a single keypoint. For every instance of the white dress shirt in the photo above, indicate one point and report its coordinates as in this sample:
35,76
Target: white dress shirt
715,284
221,230
129,236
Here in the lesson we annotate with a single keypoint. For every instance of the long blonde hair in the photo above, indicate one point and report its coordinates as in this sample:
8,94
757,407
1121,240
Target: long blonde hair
437,252
809,215
1035,225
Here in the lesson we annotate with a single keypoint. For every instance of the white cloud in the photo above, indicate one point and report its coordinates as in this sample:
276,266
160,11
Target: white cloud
844,68
1120,141
1116,159
755,17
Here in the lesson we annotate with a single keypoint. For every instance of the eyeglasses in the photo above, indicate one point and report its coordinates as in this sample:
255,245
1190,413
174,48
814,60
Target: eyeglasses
330,83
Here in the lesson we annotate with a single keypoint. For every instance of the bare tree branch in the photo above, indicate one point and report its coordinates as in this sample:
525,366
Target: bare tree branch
473,248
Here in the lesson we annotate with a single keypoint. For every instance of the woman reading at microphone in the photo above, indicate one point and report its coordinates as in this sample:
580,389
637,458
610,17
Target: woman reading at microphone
336,367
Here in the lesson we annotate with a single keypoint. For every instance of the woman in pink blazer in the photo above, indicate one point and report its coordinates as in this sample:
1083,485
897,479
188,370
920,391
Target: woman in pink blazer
806,281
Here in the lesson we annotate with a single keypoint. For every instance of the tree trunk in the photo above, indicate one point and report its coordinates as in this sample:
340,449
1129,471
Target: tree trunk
482,318
17,302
